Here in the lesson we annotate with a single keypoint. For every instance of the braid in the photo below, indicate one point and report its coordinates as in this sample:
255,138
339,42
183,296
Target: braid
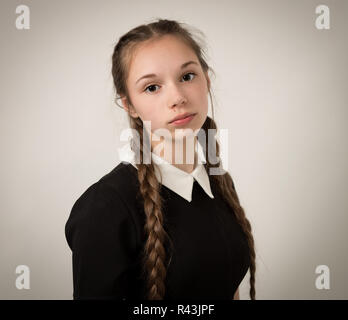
227,190
154,256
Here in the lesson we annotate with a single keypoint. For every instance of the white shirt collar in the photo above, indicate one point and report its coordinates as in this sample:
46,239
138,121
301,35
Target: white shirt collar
173,178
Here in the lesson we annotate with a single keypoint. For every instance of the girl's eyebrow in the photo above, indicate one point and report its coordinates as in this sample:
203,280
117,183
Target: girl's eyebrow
152,75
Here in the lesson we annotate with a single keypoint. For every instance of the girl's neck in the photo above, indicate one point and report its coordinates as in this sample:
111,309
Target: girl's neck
186,159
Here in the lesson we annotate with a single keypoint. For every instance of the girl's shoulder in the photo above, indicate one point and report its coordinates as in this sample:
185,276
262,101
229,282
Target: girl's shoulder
123,178
105,204
119,184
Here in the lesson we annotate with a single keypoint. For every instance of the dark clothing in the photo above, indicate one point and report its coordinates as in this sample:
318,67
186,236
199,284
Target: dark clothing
105,232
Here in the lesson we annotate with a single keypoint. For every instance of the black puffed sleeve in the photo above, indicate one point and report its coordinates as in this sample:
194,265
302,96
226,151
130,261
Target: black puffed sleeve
101,234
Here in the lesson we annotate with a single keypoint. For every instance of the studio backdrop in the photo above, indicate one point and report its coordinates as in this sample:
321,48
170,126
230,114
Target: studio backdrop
280,92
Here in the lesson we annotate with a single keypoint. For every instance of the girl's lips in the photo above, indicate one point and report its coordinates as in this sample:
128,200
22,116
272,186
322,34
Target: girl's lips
183,121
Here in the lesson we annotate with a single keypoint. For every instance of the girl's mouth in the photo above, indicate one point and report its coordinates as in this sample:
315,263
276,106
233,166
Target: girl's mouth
184,120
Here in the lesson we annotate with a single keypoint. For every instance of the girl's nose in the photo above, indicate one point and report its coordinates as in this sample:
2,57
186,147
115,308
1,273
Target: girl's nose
179,101
177,97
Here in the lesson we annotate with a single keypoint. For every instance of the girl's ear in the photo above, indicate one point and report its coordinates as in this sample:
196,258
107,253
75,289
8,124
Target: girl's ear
128,107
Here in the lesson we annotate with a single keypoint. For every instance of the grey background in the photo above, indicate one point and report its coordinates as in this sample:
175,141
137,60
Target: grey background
280,90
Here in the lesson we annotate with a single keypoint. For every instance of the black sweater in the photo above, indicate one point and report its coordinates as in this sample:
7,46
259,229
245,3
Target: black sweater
106,235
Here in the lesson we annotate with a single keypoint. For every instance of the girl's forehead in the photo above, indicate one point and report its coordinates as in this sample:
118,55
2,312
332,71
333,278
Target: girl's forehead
159,55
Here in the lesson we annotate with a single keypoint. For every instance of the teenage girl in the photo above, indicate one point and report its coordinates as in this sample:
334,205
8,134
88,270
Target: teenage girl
164,228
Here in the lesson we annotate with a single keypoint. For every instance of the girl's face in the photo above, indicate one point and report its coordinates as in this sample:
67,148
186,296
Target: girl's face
174,84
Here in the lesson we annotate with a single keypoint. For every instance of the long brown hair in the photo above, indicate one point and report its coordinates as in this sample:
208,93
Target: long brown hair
155,258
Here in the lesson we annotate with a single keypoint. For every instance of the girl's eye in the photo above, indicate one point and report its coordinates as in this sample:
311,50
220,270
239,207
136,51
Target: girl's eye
189,73
154,85
151,86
